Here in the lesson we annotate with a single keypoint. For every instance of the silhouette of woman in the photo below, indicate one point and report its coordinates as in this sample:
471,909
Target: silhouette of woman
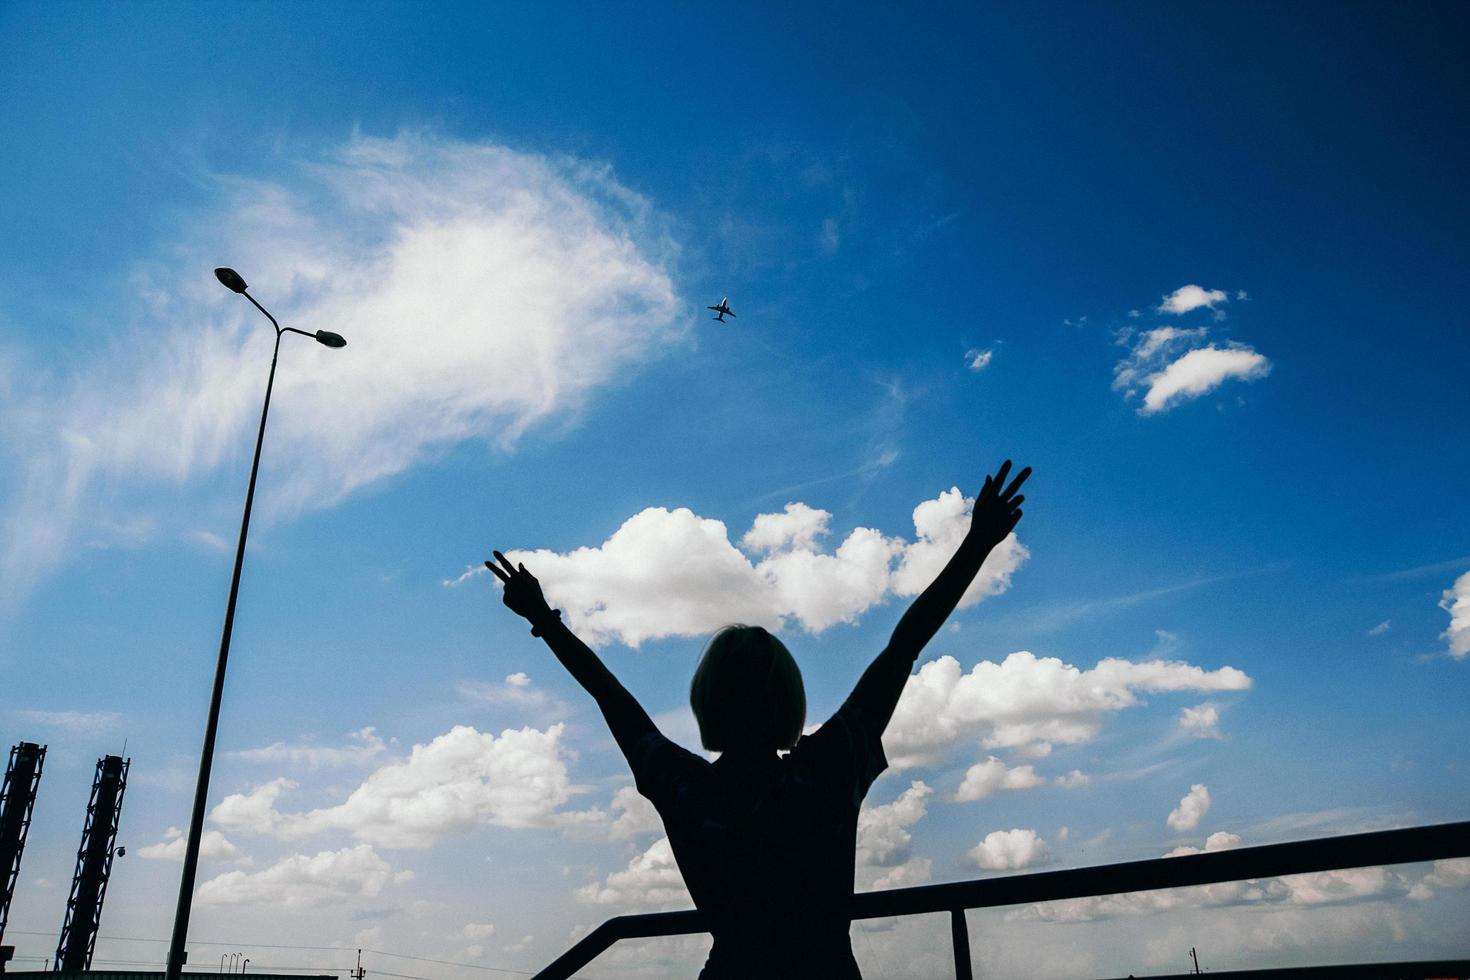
766,841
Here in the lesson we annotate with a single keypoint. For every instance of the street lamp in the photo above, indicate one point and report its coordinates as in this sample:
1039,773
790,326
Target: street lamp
231,280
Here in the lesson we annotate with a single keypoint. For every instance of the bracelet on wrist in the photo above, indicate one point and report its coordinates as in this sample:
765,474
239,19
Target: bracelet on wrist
545,620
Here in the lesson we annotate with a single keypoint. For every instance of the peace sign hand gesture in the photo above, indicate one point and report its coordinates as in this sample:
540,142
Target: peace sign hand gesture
997,511
522,593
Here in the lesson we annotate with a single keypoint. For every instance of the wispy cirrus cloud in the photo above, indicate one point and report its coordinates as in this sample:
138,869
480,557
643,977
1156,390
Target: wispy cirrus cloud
75,722
482,290
363,748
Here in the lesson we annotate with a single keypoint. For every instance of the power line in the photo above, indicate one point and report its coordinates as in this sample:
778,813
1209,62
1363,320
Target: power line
238,944
425,959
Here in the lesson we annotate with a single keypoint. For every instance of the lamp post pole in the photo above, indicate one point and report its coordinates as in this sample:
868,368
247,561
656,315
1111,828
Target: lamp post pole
232,280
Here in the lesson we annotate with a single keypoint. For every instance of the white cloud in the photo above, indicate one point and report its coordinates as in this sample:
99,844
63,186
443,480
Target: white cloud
1028,702
253,812
1072,780
302,882
1307,890
674,573
478,930
363,748
1380,629
458,781
1456,602
991,776
470,571
883,838
1192,297
1201,721
213,846
481,290
796,527
914,871
209,540
1191,809
1220,840
1009,850
940,525
650,881
979,360
637,817
1200,372
515,690
1172,367
1446,873
77,722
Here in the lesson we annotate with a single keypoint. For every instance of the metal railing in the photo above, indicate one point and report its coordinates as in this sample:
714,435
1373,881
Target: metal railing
1450,840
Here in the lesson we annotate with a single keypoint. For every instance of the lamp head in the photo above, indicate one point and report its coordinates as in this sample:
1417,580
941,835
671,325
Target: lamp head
230,279
328,339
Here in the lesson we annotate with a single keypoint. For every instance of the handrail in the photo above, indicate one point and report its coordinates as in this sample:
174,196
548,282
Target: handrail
1404,846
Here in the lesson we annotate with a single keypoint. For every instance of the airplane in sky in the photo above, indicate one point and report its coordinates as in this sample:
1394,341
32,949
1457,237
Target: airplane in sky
722,310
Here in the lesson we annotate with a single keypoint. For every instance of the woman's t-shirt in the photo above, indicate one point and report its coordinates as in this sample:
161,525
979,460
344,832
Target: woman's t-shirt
767,846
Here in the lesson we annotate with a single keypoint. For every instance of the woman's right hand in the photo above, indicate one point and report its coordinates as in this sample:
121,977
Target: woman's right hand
996,511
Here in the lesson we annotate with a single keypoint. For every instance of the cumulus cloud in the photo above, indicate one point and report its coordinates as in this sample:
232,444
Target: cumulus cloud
302,882
1448,873
362,749
1201,721
458,781
940,525
991,776
482,290
796,527
1456,602
1191,810
1192,297
1028,702
674,573
650,881
213,846
883,837
1173,365
1220,840
637,815
1009,850
1072,780
478,930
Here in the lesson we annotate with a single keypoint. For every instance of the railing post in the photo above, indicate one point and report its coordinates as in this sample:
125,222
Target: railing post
960,933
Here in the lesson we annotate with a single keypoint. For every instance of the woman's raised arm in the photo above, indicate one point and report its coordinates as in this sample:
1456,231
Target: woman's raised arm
522,595
994,516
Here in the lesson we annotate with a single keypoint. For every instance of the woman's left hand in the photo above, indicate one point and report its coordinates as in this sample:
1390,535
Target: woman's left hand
522,593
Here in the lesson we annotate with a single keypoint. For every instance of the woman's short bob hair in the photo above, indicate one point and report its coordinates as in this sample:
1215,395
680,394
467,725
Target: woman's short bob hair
747,692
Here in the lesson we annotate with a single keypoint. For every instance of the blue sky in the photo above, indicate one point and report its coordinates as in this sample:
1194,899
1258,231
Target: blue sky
1201,267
